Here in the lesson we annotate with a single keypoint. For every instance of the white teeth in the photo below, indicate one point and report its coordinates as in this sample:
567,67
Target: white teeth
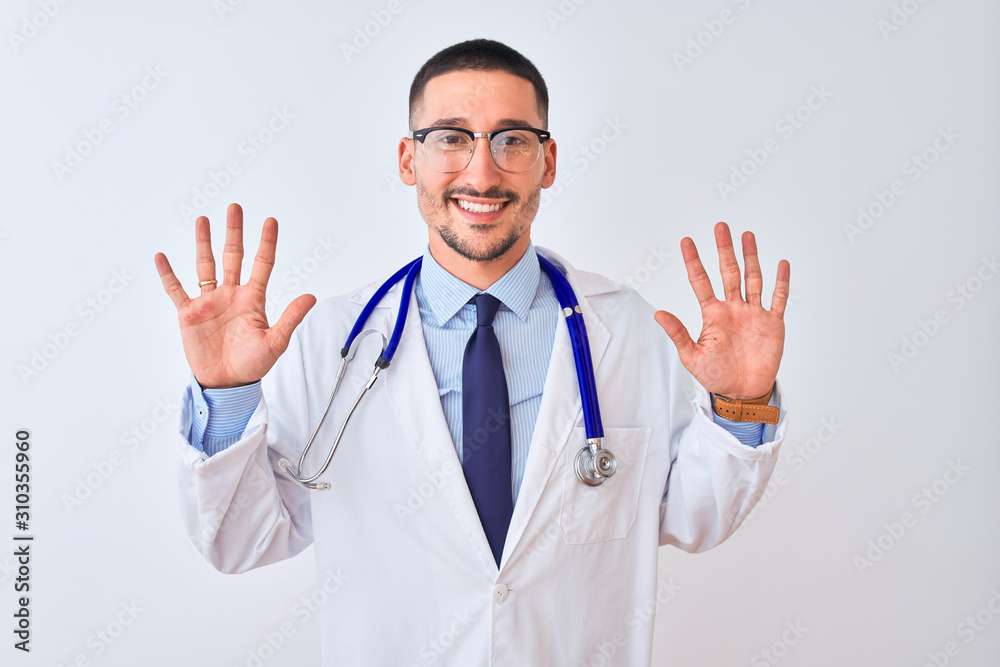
478,208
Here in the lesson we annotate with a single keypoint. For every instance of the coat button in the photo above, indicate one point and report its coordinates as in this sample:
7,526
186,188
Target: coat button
499,593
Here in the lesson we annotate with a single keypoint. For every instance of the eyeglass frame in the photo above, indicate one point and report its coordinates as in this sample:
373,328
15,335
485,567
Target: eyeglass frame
420,135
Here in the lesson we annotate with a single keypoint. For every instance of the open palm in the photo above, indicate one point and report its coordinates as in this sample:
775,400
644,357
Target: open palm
225,333
739,349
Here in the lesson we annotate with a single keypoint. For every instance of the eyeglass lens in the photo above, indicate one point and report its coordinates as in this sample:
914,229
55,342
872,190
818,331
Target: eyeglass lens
448,151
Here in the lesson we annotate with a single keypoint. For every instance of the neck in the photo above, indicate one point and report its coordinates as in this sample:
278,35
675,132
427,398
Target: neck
479,274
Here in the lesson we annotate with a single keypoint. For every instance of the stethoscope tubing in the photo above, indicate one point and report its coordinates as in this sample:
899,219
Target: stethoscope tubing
373,302
593,425
404,307
579,340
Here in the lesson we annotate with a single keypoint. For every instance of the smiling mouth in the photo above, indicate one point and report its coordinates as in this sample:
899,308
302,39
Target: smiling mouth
474,207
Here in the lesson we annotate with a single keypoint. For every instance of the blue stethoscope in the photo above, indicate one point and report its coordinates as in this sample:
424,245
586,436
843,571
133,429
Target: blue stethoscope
593,464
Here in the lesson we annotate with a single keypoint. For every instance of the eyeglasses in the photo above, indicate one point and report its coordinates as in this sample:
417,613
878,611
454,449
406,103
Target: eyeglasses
450,149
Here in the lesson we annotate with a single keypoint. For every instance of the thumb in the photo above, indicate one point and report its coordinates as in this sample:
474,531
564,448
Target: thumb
282,330
677,332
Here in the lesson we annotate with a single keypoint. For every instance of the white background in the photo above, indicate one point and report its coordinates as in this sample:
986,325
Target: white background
823,553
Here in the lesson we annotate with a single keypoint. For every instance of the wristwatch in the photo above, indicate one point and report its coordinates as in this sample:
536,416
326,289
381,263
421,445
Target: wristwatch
747,410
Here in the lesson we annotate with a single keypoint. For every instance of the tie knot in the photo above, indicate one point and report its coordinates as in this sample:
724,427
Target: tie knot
486,309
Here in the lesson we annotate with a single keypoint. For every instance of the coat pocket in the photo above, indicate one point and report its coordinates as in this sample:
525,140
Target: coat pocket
599,513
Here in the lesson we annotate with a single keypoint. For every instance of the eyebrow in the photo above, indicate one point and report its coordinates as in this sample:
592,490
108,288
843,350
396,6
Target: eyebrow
458,121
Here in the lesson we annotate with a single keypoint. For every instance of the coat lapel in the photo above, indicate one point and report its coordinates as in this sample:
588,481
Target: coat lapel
561,408
413,394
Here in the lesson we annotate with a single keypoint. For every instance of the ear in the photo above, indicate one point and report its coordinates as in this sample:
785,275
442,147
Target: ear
549,153
407,147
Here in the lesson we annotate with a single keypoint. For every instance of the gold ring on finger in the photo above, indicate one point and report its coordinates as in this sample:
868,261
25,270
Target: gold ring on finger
202,283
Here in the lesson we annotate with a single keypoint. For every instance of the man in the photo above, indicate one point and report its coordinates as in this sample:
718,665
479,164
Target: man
449,552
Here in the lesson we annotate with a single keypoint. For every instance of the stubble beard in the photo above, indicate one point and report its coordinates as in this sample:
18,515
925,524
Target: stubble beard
438,217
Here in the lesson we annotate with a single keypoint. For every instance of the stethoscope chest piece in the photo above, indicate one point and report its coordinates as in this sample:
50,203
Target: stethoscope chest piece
594,464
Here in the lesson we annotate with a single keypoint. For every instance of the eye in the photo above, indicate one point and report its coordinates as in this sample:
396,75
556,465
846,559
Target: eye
513,140
448,139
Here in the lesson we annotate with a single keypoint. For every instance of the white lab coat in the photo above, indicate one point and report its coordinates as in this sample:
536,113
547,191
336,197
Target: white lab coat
398,539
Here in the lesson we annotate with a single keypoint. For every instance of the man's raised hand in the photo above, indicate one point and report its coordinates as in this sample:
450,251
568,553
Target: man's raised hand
224,330
739,349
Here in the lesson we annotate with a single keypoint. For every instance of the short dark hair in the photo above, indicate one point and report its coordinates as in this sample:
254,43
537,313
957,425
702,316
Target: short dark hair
484,55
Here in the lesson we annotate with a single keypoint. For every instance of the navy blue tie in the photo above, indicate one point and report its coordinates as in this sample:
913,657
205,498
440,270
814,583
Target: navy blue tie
486,452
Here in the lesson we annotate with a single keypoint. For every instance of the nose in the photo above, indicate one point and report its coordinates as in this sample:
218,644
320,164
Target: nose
482,172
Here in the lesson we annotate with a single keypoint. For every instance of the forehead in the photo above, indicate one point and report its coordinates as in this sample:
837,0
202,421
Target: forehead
481,99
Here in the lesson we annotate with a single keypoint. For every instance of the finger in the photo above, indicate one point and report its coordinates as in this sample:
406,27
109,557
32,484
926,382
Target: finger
232,253
204,259
263,262
686,347
696,272
728,265
171,285
780,297
281,332
751,265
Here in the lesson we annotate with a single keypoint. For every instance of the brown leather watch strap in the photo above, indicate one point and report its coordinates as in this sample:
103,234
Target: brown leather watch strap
748,410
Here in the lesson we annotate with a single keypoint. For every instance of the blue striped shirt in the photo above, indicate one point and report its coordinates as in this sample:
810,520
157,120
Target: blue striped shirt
525,326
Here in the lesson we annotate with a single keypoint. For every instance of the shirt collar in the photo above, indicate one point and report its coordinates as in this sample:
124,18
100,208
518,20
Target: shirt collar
446,294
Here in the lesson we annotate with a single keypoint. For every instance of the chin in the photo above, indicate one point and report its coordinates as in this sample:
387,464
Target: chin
479,250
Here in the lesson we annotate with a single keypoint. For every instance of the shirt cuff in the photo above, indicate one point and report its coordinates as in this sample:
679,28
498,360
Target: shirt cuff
220,416
749,433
